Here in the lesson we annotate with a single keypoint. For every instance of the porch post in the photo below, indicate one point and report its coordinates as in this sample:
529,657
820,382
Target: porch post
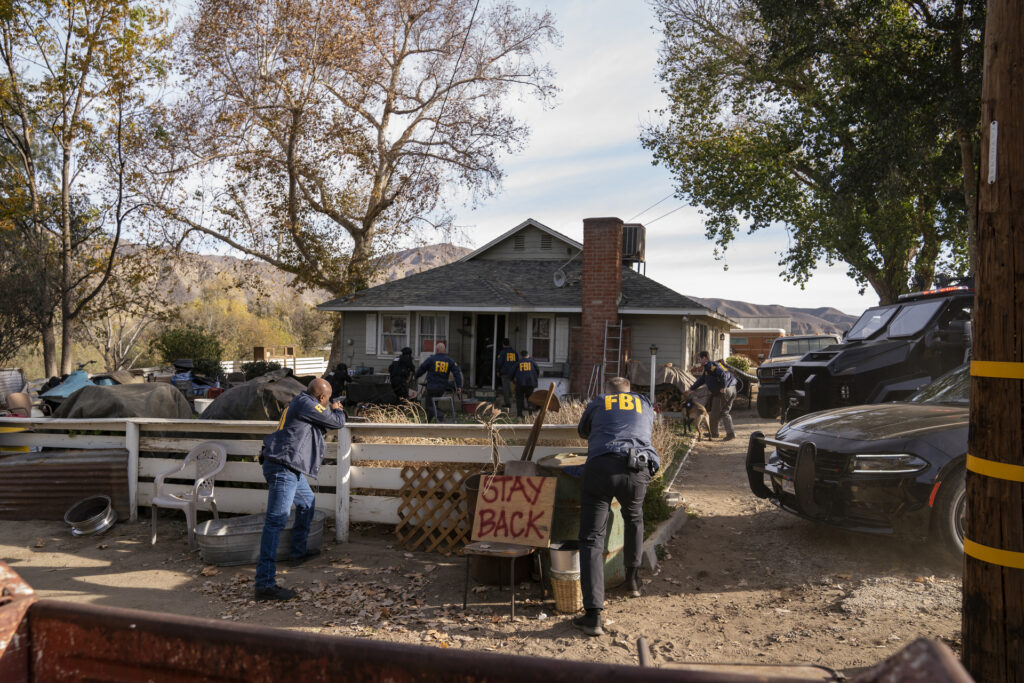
342,499
131,443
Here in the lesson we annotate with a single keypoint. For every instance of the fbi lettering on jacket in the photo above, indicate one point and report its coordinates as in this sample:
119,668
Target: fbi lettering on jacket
514,510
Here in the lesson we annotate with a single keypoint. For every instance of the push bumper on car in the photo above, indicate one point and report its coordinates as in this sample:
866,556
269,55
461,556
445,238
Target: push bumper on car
807,493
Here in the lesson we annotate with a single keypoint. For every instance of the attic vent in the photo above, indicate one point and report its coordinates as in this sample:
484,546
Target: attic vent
545,241
519,243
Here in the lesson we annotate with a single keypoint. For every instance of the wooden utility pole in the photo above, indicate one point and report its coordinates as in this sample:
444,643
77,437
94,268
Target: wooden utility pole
993,608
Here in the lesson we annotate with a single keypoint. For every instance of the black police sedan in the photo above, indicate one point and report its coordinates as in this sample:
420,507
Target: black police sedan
885,468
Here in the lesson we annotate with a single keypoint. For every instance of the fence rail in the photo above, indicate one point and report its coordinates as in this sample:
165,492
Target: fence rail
157,445
314,365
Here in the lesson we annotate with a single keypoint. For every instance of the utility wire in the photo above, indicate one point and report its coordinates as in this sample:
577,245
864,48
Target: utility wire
666,214
649,208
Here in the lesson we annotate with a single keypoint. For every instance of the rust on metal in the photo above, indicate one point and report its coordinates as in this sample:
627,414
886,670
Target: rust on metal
16,597
923,661
44,485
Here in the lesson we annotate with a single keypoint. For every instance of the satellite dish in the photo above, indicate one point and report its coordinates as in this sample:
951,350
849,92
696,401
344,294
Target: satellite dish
559,278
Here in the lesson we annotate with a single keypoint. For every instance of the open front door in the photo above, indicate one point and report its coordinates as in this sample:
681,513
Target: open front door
488,331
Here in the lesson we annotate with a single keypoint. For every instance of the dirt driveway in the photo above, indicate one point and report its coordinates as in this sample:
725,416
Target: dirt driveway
741,581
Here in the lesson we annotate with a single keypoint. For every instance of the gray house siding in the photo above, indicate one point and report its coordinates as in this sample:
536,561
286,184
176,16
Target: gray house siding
661,330
529,244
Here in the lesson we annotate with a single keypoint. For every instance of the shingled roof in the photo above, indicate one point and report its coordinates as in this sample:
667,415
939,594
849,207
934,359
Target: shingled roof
510,286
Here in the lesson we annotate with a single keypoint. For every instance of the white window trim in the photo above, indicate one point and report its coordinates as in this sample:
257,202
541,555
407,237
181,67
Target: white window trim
529,337
382,351
417,349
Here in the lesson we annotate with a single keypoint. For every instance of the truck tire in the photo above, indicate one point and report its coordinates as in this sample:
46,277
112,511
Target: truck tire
948,516
768,407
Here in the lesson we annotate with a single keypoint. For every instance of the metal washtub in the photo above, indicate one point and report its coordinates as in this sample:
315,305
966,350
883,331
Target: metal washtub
236,540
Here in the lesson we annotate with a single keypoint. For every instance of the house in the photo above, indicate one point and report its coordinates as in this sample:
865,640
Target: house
562,300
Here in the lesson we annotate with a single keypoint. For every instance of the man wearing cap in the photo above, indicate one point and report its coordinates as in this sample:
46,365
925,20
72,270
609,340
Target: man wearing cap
437,368
722,386
401,371
294,450
620,463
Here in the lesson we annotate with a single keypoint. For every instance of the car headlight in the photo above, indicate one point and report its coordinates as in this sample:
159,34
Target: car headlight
888,463
844,392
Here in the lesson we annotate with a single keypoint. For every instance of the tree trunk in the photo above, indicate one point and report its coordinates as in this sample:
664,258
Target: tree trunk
67,346
993,588
49,350
337,342
970,197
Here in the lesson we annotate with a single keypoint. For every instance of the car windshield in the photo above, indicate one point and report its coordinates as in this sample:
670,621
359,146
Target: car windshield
870,322
793,347
913,317
953,387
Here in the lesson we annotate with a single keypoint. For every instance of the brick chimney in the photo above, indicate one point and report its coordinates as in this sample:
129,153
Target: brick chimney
602,284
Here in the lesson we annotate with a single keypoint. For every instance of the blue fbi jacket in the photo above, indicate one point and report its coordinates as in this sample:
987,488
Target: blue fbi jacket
614,423
298,443
506,362
526,373
716,377
437,368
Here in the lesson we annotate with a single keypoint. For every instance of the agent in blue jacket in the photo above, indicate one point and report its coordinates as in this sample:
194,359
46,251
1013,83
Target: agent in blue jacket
437,368
505,364
620,463
293,451
722,386
526,381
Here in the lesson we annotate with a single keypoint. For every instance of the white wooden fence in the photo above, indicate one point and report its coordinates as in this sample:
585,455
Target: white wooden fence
158,445
314,365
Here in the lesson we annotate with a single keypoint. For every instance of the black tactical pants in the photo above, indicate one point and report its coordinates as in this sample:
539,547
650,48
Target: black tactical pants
606,477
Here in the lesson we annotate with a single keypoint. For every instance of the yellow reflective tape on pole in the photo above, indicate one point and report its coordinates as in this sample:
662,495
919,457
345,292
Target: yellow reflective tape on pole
1002,558
997,369
995,470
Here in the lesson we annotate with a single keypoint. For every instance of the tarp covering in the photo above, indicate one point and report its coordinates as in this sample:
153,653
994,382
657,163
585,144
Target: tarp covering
154,399
262,398
117,377
638,372
75,381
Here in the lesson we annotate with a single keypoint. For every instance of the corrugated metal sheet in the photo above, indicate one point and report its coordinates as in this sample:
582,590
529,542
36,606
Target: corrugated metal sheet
44,485
11,380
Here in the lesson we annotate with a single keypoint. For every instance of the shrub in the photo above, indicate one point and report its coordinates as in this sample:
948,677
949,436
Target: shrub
204,349
739,362
258,368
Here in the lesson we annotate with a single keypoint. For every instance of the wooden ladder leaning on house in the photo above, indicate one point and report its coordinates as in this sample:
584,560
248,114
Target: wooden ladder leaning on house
612,358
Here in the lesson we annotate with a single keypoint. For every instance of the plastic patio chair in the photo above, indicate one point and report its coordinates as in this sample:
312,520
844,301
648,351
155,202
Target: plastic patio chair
209,458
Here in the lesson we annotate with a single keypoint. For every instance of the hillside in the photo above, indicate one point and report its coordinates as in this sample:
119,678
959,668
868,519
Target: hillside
805,320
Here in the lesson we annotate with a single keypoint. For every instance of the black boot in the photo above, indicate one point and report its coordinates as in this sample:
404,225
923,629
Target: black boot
633,582
590,623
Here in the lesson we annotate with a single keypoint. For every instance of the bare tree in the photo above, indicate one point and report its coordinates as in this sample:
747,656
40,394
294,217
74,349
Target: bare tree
320,132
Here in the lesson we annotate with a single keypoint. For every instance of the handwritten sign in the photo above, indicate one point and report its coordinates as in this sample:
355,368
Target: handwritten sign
514,510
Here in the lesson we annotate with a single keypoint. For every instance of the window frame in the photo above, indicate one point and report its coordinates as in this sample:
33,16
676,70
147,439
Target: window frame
434,315
550,338
382,351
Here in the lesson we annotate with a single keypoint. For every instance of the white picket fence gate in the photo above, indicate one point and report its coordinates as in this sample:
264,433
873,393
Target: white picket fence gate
153,448
314,365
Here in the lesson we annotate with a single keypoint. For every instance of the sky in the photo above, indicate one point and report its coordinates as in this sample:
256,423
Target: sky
584,159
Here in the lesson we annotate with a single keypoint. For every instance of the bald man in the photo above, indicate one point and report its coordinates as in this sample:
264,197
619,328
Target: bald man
296,449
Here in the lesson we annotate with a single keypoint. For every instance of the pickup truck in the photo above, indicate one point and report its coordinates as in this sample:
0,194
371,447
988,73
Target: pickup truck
784,352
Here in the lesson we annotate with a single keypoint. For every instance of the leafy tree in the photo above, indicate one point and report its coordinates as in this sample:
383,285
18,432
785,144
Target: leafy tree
74,77
204,349
852,123
320,132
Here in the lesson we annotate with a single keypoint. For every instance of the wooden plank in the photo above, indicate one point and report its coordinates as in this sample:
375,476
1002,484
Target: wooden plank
84,441
131,441
375,509
153,444
389,478
210,426
242,472
342,491
237,501
428,453
109,424
454,431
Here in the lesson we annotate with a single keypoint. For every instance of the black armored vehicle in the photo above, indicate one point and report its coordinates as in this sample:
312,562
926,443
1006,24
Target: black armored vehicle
889,353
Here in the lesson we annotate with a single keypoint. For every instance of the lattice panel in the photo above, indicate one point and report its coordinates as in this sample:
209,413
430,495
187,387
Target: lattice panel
433,513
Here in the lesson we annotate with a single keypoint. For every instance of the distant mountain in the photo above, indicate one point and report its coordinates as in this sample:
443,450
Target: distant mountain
803,320
258,277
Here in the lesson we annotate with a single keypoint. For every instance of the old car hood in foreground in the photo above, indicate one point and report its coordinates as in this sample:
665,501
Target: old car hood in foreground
885,421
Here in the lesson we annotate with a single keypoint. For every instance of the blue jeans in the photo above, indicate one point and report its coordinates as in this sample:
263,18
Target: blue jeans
283,487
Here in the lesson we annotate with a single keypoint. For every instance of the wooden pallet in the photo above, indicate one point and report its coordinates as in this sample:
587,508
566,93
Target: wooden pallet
433,511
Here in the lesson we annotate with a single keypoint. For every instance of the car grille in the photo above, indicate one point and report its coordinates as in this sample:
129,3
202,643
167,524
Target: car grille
774,372
825,463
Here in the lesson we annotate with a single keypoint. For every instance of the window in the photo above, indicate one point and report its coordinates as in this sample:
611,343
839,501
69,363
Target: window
540,343
739,341
913,318
394,333
871,321
433,329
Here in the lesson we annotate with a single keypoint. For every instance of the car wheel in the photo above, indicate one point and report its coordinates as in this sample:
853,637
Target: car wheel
950,506
768,407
